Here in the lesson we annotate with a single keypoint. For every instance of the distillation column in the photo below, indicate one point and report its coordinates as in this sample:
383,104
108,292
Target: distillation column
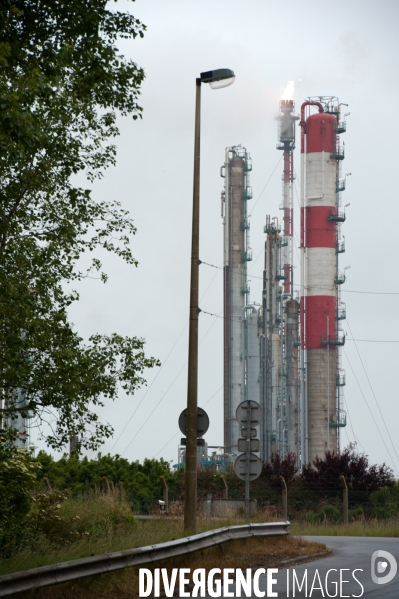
286,135
253,355
20,421
291,369
236,290
271,347
318,302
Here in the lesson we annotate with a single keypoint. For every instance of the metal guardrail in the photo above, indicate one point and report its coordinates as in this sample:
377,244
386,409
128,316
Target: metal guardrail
99,564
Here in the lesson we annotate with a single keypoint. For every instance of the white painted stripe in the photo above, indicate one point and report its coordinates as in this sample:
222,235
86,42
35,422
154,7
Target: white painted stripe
320,187
320,271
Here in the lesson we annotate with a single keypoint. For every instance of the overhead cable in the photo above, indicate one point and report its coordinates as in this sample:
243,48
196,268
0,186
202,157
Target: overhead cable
369,409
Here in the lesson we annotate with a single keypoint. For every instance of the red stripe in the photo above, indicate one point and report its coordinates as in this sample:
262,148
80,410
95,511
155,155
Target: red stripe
318,307
321,133
320,232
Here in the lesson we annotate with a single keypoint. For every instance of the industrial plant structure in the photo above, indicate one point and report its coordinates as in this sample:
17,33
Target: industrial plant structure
237,253
20,420
284,352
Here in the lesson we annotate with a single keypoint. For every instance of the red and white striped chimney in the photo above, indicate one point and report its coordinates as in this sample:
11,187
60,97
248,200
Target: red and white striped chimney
318,301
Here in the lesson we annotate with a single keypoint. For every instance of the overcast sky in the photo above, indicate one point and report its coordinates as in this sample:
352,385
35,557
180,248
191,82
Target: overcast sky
348,49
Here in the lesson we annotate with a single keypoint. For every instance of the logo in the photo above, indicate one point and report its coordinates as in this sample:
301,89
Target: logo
379,565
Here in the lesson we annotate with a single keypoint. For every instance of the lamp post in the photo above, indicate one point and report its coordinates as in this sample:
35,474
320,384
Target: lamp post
217,79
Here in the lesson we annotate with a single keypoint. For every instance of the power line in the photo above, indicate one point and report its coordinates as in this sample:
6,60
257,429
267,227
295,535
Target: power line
257,257
375,398
267,183
346,338
372,340
371,413
162,365
177,434
151,413
309,288
214,277
167,390
152,382
351,425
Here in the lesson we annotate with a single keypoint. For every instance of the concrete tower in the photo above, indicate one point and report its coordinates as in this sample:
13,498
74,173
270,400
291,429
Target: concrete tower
320,278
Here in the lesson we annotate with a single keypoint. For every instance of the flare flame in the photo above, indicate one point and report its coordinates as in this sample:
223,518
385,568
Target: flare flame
288,93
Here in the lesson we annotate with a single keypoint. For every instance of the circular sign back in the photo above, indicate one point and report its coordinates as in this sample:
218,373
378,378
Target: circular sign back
256,413
255,466
202,422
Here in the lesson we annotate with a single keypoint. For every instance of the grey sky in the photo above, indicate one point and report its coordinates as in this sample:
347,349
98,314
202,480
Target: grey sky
347,49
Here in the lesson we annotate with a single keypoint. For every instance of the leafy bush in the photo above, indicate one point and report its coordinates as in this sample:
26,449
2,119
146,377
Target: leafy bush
17,479
356,513
311,517
359,474
277,467
331,513
141,482
385,502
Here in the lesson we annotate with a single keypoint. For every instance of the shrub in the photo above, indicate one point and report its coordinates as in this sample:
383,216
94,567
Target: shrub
17,479
331,513
359,474
356,513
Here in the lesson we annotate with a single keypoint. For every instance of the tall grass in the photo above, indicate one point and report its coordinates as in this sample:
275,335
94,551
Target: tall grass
358,528
99,523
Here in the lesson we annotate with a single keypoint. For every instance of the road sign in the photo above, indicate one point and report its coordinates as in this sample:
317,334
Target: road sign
255,466
256,413
253,432
254,445
200,442
202,422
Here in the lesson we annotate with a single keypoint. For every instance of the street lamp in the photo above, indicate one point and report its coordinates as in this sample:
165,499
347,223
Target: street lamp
217,79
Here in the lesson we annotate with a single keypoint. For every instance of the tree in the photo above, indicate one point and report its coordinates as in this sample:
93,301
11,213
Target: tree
140,482
62,84
278,466
359,474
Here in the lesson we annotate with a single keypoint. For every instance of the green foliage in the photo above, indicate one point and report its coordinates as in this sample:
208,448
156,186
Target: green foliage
331,513
89,499
311,517
140,482
17,479
386,502
356,513
62,83
57,520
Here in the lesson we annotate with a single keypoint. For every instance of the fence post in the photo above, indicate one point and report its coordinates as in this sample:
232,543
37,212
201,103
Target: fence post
345,499
165,492
285,499
226,488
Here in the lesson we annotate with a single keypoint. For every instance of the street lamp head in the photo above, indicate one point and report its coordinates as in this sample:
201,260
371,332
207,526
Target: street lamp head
218,78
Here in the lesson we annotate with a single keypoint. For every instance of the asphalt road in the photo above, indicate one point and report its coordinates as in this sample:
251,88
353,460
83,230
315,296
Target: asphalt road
350,554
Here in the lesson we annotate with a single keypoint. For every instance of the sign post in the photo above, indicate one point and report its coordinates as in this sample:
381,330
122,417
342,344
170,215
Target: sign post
247,465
